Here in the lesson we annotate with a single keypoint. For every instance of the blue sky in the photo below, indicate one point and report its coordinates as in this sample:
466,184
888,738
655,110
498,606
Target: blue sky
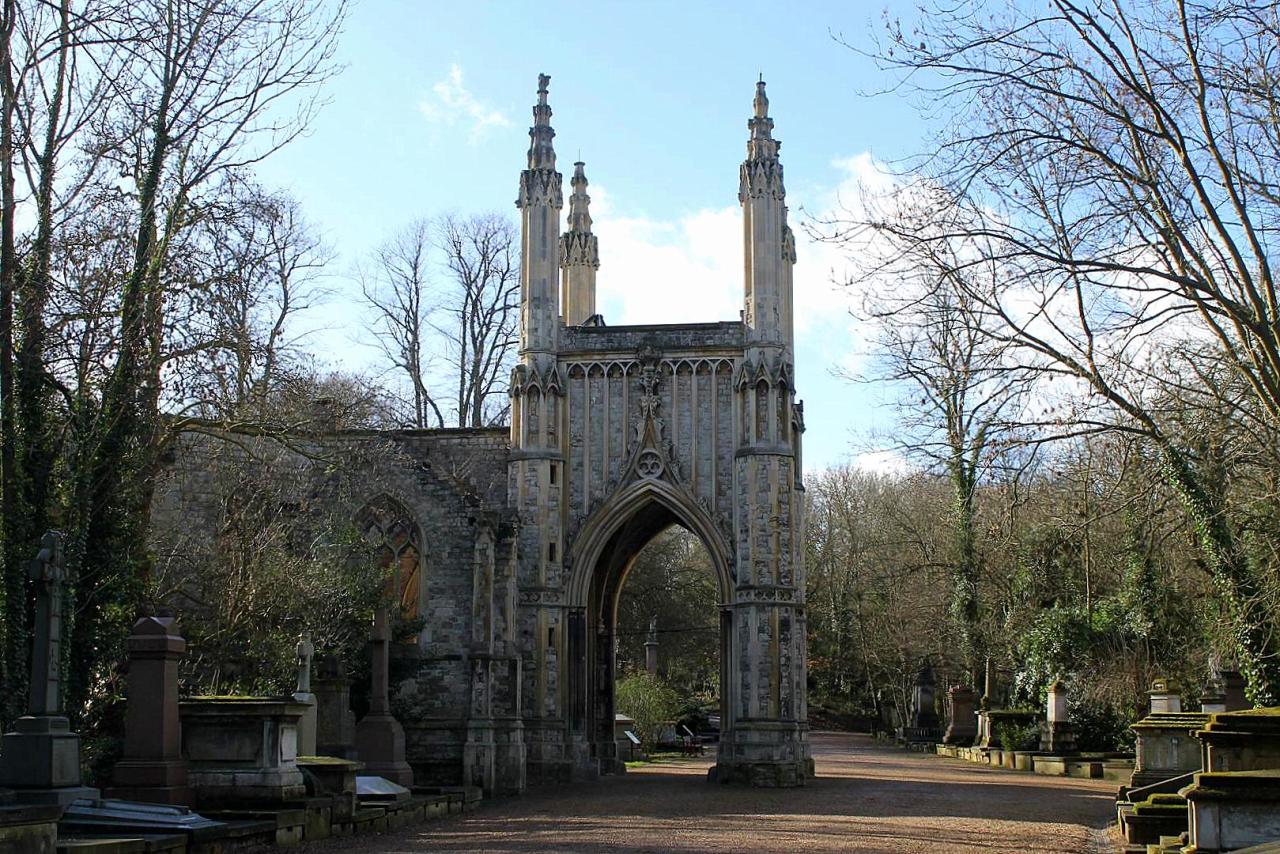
431,115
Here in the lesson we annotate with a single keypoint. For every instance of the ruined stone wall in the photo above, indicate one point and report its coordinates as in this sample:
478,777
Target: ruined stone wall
452,483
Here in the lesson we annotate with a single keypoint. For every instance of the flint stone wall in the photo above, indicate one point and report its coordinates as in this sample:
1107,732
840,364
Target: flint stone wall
451,482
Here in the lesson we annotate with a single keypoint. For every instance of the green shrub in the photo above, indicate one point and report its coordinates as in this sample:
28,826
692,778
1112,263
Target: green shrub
650,701
1013,736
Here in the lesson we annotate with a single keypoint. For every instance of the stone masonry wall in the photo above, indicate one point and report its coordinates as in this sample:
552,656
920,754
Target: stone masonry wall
450,482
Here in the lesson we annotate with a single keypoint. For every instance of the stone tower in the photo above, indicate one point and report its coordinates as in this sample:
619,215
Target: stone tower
619,432
579,256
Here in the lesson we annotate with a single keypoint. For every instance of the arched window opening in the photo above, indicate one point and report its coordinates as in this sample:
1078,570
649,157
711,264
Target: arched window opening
388,527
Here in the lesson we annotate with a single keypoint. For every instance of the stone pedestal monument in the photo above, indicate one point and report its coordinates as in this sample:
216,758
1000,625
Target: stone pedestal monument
1057,735
964,724
379,736
302,694
335,722
152,768
923,714
40,758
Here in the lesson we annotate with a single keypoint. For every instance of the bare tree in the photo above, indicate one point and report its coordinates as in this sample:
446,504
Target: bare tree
210,87
448,294
1120,164
960,403
482,255
395,286
252,264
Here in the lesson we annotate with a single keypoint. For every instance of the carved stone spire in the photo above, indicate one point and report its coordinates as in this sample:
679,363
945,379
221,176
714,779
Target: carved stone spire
541,153
539,202
579,201
768,242
761,145
579,255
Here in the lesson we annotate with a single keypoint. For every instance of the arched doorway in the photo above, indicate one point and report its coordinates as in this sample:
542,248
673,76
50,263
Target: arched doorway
604,554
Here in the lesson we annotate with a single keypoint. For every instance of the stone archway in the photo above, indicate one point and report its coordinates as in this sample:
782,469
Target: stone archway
607,549
618,431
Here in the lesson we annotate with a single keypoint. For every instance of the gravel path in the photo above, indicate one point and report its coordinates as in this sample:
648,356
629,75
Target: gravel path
867,798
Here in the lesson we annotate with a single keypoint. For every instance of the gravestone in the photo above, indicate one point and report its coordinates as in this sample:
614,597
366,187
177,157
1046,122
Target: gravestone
923,714
1214,698
151,767
1057,735
964,724
379,736
302,694
40,758
242,750
1163,699
1235,799
1233,689
335,722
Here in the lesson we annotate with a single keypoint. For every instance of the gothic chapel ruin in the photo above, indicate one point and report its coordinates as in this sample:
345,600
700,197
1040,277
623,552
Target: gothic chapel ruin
513,546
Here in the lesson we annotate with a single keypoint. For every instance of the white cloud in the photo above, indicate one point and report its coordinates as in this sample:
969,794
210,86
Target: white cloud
881,462
451,103
688,269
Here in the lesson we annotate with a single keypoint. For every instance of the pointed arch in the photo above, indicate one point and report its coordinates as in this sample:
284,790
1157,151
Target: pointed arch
389,527
625,506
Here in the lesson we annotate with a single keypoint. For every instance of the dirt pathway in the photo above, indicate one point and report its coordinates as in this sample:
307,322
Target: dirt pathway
867,798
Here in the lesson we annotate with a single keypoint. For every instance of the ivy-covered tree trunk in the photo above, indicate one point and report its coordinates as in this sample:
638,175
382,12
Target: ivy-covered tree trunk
13,663
965,606
1253,626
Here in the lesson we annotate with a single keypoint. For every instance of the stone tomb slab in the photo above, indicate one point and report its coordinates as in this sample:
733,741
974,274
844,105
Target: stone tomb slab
380,789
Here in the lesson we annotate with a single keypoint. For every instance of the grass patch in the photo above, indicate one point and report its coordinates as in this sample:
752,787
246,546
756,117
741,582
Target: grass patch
665,756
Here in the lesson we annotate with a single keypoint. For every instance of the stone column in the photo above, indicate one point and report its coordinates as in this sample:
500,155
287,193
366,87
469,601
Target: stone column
335,722
302,694
651,649
40,758
152,768
963,727
379,736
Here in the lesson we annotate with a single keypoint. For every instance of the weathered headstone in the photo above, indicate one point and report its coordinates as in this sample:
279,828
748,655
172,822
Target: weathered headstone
335,722
152,768
40,758
379,736
1165,748
1214,698
1234,802
963,727
302,694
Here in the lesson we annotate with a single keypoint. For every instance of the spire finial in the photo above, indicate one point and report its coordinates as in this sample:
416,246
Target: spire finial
579,201
541,153
762,145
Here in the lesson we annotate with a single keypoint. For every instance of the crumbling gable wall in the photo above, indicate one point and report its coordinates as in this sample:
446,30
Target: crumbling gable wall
452,484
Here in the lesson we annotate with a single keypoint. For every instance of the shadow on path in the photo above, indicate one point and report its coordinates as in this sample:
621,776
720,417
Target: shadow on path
867,798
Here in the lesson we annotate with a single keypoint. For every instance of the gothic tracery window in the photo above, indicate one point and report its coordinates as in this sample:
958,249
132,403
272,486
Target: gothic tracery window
389,528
